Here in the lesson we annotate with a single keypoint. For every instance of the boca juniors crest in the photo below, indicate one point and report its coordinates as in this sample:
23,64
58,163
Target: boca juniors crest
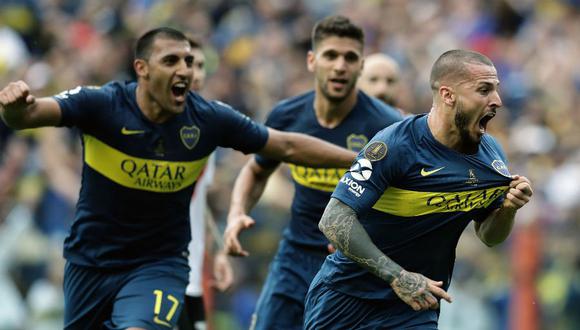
356,142
500,167
189,136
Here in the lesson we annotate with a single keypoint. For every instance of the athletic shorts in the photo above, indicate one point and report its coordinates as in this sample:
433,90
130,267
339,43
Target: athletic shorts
326,308
149,296
281,302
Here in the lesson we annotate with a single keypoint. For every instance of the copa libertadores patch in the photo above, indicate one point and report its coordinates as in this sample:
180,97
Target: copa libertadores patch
376,151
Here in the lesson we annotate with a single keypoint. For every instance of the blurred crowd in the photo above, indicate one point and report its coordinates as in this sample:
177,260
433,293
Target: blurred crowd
256,56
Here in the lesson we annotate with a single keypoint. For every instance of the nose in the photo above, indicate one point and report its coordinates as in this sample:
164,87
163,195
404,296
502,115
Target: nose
184,70
496,100
340,64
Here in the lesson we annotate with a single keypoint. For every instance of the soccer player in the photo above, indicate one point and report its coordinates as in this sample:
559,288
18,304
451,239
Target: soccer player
145,144
381,78
335,111
397,214
193,315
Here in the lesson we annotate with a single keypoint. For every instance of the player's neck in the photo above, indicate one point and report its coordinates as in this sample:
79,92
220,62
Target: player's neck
150,108
330,114
445,132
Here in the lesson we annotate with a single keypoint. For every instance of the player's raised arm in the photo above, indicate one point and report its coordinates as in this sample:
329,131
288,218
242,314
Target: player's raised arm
301,149
248,189
498,225
20,109
341,226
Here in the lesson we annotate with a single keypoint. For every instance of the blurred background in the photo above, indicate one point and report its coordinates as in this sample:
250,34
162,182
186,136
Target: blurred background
256,56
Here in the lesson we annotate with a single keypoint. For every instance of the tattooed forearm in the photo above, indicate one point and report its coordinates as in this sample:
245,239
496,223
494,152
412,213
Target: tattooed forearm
341,226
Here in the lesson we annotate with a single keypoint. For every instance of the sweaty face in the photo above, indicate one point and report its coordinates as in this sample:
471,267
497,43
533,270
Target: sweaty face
169,73
380,78
336,63
198,70
477,101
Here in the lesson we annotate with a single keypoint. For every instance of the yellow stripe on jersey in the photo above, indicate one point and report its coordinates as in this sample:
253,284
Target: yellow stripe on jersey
324,179
407,203
140,173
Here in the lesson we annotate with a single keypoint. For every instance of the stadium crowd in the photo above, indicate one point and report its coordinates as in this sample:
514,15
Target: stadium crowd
255,57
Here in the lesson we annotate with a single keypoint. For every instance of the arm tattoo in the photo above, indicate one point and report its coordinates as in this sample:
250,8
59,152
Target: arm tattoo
341,226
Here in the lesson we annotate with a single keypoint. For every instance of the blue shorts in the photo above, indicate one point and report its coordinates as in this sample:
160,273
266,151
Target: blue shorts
281,302
149,296
326,308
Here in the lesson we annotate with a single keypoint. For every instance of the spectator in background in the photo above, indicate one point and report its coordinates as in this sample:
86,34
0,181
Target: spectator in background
381,78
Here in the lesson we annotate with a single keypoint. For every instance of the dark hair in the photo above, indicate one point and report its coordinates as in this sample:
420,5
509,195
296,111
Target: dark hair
451,65
339,26
145,42
194,43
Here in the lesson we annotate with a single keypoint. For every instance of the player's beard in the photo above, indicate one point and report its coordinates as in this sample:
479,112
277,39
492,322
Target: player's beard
468,143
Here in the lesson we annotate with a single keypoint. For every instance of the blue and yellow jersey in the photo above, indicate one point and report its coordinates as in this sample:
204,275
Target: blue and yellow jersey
313,187
415,197
138,176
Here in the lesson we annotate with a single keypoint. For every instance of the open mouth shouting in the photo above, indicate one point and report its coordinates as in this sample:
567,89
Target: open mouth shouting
179,91
485,120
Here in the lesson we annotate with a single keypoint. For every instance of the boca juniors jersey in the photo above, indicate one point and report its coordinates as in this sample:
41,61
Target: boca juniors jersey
313,186
138,176
414,198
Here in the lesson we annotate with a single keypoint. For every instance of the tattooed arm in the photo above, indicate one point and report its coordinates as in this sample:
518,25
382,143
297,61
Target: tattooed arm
341,226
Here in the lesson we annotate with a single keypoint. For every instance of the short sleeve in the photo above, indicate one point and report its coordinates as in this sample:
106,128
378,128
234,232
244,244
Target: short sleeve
79,105
374,169
275,120
239,131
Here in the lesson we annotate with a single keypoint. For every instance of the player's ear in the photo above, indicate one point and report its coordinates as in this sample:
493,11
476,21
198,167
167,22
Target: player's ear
447,94
362,67
310,59
141,68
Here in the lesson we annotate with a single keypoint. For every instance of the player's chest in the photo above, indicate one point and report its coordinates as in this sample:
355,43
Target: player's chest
180,139
351,134
441,172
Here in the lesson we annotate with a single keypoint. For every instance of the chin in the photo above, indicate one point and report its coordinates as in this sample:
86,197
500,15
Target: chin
176,109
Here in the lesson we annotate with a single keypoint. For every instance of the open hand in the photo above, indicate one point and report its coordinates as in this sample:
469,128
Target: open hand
223,275
236,224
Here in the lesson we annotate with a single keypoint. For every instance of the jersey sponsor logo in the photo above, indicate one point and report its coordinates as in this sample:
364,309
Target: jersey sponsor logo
356,142
500,167
361,170
189,136
140,173
126,131
408,203
424,172
376,151
324,179
354,187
